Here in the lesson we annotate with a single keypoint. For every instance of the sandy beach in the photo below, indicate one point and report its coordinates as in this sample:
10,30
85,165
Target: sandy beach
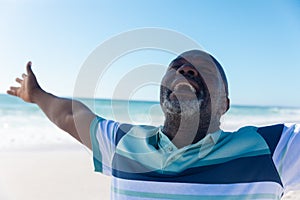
51,174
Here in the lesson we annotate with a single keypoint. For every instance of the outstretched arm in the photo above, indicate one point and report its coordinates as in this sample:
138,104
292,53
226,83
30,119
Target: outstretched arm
69,115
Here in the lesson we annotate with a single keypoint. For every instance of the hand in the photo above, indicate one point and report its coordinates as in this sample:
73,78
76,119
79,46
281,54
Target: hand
29,86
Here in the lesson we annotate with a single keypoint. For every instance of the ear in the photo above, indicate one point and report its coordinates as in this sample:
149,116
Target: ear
225,105
228,104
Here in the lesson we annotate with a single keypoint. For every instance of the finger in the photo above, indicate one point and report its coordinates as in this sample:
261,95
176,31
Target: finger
19,80
10,92
28,68
14,88
24,75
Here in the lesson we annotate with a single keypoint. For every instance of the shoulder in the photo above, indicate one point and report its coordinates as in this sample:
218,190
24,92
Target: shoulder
271,134
278,134
118,130
290,133
268,136
135,132
100,124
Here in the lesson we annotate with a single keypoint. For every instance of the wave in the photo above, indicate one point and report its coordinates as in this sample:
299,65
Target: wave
24,125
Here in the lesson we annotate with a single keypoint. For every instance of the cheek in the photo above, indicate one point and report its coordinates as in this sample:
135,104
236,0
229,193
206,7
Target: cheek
215,89
167,80
214,84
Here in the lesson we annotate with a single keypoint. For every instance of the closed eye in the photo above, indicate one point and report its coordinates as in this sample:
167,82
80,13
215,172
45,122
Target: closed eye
177,63
175,66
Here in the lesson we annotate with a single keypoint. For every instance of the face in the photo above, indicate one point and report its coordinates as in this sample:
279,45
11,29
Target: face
192,85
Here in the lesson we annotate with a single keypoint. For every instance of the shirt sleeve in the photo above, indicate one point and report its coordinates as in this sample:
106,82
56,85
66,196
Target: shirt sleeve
103,136
287,157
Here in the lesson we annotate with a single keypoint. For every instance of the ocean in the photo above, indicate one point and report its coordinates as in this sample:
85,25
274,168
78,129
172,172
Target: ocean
23,126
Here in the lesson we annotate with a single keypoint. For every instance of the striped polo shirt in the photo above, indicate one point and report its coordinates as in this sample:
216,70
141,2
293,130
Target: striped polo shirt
251,163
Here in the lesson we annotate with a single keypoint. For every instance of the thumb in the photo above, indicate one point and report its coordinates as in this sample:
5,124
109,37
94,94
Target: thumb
28,68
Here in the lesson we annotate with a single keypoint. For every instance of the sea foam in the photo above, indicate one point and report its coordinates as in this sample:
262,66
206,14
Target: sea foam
24,126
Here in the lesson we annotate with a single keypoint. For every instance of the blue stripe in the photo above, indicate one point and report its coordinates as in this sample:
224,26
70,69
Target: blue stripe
271,135
241,170
122,130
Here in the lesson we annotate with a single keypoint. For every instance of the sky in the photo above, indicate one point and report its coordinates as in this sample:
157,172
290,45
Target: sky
257,42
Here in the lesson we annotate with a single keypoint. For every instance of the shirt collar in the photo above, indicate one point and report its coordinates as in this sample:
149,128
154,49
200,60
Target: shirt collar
209,138
215,136
164,142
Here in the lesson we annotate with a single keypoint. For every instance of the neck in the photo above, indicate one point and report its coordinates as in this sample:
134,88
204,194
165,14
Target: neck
186,130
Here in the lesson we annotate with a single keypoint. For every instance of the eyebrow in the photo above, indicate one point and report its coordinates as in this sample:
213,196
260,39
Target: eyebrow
179,59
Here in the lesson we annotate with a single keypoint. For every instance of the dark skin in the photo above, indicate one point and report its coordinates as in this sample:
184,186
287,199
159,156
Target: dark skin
65,113
197,123
196,77
197,69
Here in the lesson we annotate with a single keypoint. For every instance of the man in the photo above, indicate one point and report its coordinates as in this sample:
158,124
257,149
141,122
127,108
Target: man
189,157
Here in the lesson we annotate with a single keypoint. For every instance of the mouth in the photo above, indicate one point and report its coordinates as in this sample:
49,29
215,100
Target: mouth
186,89
184,86
185,95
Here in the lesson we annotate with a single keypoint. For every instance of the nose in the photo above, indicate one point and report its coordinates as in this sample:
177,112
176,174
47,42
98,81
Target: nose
187,69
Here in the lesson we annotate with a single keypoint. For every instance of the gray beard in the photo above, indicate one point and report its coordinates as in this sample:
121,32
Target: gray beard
186,108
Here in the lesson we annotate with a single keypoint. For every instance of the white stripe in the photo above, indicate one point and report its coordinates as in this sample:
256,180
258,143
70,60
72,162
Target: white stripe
198,189
105,136
286,157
